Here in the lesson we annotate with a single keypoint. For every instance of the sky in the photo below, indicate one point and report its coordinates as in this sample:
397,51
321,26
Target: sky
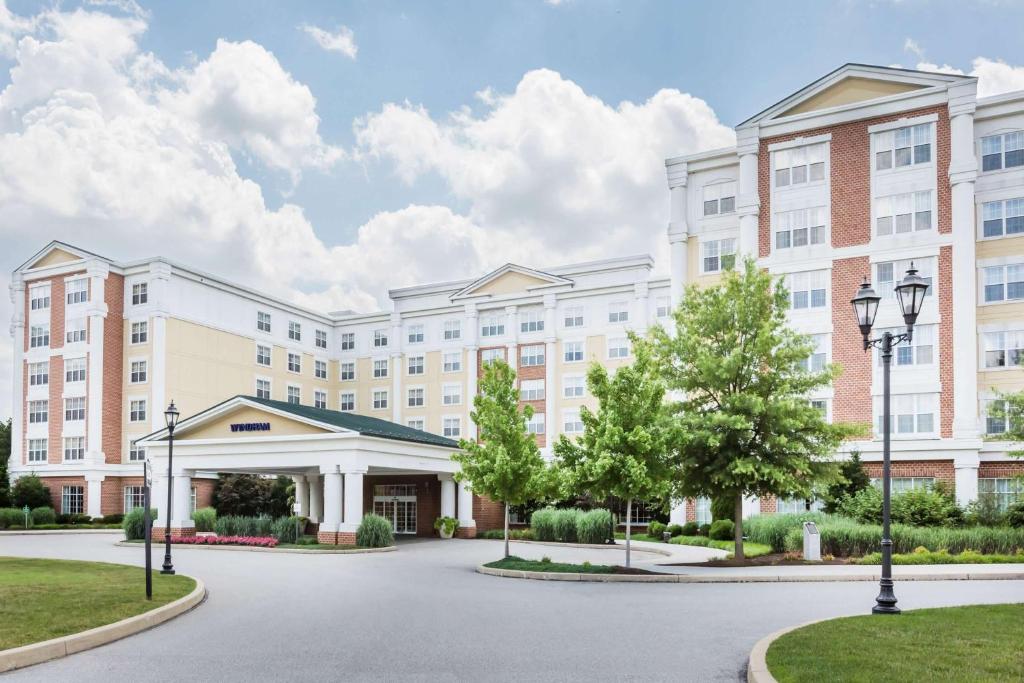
327,151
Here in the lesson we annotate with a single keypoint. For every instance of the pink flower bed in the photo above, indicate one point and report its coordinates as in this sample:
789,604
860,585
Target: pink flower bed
251,541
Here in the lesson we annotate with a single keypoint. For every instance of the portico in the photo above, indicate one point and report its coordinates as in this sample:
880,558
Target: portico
343,465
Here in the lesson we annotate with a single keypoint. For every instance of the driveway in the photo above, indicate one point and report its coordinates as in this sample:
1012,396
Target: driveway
423,614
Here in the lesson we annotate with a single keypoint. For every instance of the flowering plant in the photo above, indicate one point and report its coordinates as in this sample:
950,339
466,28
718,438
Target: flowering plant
249,541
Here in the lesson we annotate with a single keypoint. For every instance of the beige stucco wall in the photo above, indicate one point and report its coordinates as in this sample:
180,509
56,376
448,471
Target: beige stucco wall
433,380
220,427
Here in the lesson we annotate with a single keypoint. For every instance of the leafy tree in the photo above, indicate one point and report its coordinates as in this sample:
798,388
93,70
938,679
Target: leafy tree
624,448
744,425
5,456
505,464
1010,411
244,495
281,497
853,479
30,490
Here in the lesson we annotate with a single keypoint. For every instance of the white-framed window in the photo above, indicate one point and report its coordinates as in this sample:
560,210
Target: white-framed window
1005,491
800,228
618,347
39,297
531,320
489,355
807,290
789,506
74,409
1003,349
819,357
294,394
140,293
320,369
380,399
137,410
451,427
415,423
74,370
75,331
451,394
263,355
1004,283
1002,218
535,425
908,146
380,338
348,371
134,497
140,332
262,321
72,500
716,256
702,510
452,361
912,415
263,388
799,165
39,374
662,307
719,198
574,386
572,351
452,330
415,365
38,412
618,312
39,336
573,316
821,405
320,400
294,362
380,368
920,351
904,484
531,390
347,401
531,356
139,371
37,450
997,420
320,339
889,273
74,448
492,325
415,334
1002,151
136,453
904,213
294,330
77,291
415,397
348,341
571,422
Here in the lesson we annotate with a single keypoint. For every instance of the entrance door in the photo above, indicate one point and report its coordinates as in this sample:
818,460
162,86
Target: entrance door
397,503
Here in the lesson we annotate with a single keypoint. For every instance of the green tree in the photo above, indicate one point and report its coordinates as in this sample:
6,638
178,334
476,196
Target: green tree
31,491
744,425
852,479
623,451
5,457
1009,411
505,464
246,495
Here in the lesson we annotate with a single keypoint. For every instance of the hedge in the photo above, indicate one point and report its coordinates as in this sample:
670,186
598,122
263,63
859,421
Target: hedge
233,525
845,538
570,525
772,529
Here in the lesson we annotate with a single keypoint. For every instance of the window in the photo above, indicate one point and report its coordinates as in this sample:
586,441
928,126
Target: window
77,292
320,339
921,351
39,374
718,255
1002,218
996,417
530,356
618,348
904,484
618,312
819,357
488,355
294,362
1002,151
74,448
903,147
452,361
415,423
800,228
74,370
39,336
136,453
571,422
294,331
799,165
663,306
415,365
641,513
1003,490
137,411
263,388
886,272
380,338
262,321
719,198
535,425
380,368
452,330
380,399
573,316
1004,349
531,390
451,394
139,372
263,355
140,333
702,510
38,412
39,297
491,326
37,450
415,398
134,497
452,427
903,213
347,402
1004,283
821,405
572,352
574,386
807,290
348,341
320,369
912,414
75,331
415,335
140,293
531,321
294,395
790,506
320,400
74,409
348,371
72,500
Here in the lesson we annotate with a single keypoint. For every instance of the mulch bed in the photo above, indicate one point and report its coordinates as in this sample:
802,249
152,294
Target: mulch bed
772,560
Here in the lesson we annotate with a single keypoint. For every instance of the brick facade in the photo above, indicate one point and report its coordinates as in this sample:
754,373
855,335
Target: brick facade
945,341
999,470
941,470
852,399
428,497
487,514
113,368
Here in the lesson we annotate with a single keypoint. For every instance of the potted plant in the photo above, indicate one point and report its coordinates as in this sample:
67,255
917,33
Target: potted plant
446,526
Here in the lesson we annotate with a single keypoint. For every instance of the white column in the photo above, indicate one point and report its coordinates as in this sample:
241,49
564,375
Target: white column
97,312
748,202
332,501
397,367
302,494
447,495
641,315
466,520
965,468
315,497
550,381
158,492
17,289
353,501
512,332
469,325
181,515
159,276
678,231
94,494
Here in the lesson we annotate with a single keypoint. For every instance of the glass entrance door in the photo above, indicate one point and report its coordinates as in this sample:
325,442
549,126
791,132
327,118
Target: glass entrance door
396,503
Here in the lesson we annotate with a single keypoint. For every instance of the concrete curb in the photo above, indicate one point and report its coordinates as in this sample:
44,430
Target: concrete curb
600,546
37,653
757,663
58,532
294,551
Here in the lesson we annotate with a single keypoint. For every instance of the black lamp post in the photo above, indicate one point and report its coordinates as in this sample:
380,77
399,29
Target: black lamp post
910,294
171,417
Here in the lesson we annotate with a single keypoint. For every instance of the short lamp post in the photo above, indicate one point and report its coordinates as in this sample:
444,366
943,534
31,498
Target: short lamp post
171,418
910,293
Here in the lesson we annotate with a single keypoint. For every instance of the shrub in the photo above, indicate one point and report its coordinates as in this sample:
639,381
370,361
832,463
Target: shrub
690,529
109,519
374,532
11,518
448,524
565,524
204,518
865,506
702,541
44,515
513,534
543,524
985,512
30,490
74,519
233,525
926,507
722,530
287,529
772,529
655,529
704,529
674,530
593,526
1015,515
133,524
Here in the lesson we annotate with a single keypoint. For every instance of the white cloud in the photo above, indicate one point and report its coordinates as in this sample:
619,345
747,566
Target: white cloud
910,45
994,75
343,41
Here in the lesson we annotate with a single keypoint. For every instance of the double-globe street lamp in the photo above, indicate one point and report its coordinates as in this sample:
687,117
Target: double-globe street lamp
171,419
910,293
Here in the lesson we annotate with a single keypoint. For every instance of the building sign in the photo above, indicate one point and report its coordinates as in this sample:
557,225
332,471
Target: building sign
251,427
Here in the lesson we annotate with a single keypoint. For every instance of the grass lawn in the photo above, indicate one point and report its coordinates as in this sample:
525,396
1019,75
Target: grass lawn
519,564
977,643
44,599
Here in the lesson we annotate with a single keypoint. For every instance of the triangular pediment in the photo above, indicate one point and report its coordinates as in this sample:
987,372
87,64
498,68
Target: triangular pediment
55,254
510,279
240,418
